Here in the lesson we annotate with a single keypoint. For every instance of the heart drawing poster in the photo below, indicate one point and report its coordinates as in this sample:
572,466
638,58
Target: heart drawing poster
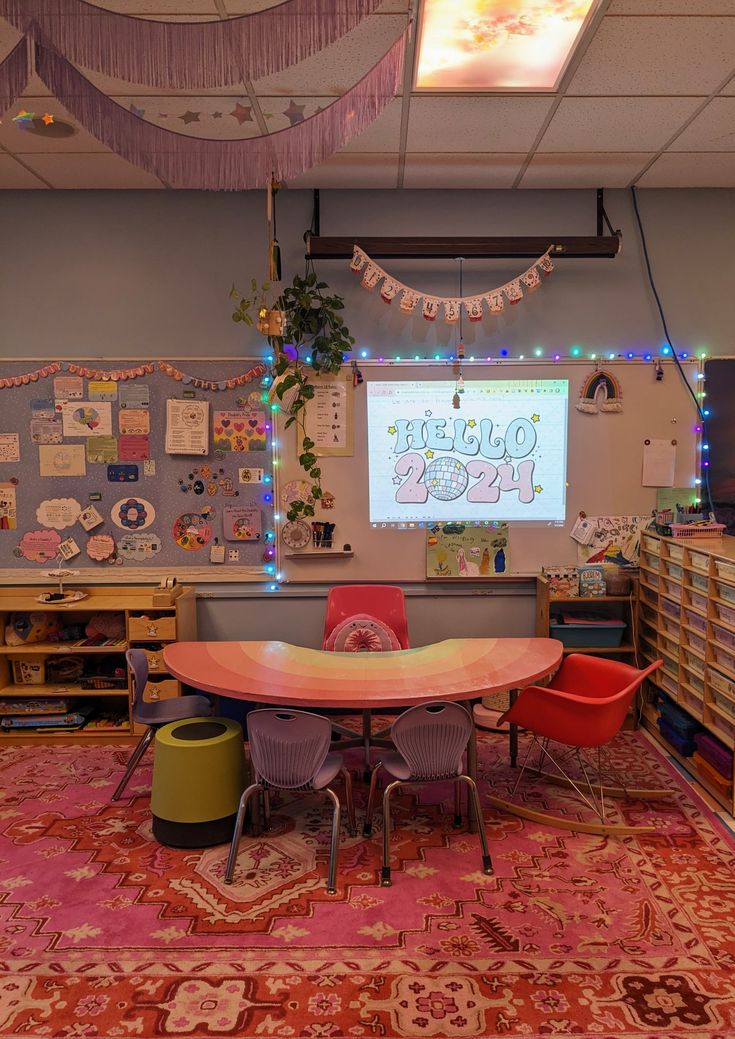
239,431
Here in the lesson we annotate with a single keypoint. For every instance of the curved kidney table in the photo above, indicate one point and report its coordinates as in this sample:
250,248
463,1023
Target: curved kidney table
280,674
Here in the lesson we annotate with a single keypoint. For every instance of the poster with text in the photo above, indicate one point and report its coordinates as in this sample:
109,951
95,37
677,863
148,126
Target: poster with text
500,456
328,419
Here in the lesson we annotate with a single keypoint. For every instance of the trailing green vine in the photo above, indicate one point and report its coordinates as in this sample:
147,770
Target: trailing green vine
312,326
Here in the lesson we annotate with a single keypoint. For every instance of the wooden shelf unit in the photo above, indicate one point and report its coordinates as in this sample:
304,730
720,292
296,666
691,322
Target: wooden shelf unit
686,615
153,617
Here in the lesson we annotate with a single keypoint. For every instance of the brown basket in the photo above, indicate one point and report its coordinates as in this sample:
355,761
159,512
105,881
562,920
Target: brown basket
617,582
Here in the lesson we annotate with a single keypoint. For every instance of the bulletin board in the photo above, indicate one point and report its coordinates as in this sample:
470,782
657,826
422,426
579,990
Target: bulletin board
604,469
89,452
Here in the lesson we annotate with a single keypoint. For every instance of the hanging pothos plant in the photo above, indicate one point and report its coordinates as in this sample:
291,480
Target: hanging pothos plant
312,326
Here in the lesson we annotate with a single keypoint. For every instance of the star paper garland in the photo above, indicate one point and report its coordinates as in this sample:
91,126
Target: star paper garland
494,299
136,372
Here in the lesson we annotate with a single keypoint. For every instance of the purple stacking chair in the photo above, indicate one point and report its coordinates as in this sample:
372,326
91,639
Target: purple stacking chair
430,742
289,750
155,714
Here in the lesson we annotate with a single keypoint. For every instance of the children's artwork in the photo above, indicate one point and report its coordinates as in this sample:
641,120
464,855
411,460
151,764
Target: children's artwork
296,490
61,460
89,518
101,547
328,421
239,431
139,547
133,513
86,418
193,530
667,498
47,431
68,387
8,510
591,580
101,450
58,512
583,530
133,448
242,522
187,427
134,395
134,420
68,549
501,455
43,409
40,546
563,581
102,390
122,473
250,475
616,540
465,550
9,447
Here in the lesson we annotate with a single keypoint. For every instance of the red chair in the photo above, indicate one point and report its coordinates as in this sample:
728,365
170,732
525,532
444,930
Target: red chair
581,709
386,603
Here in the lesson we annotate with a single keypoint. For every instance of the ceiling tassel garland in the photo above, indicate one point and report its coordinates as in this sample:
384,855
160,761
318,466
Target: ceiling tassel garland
14,75
177,55
223,165
474,306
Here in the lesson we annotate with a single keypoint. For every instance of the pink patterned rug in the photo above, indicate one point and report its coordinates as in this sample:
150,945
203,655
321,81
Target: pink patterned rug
103,932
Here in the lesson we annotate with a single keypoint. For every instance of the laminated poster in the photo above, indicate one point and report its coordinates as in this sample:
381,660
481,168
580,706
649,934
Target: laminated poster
62,460
58,512
8,512
239,431
242,523
86,418
40,546
103,391
68,387
187,427
133,448
9,447
134,420
328,420
616,540
134,395
101,450
47,431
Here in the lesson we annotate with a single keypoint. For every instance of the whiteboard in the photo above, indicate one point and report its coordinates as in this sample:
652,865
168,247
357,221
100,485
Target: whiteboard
604,468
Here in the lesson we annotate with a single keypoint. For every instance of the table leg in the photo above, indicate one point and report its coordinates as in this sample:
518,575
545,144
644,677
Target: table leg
513,732
471,769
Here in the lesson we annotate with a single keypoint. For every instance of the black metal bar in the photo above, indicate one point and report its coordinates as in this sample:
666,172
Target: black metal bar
564,246
317,213
600,210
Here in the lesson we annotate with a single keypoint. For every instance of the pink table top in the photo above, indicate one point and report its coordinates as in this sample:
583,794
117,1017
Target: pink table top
279,673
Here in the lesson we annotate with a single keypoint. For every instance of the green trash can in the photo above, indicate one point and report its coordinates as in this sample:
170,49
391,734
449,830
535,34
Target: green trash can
199,773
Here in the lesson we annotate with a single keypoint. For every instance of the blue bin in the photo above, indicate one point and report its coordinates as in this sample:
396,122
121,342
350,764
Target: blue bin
581,636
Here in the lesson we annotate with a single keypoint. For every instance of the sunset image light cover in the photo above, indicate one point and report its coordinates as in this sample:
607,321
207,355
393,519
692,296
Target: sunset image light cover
497,44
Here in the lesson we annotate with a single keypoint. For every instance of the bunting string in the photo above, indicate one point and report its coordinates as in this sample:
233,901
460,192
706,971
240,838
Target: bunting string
450,307
176,55
135,372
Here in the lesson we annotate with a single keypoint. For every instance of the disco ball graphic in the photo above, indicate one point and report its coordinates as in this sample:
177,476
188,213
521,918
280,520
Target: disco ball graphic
446,479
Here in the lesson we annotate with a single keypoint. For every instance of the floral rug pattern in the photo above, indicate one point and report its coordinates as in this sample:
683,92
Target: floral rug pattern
104,932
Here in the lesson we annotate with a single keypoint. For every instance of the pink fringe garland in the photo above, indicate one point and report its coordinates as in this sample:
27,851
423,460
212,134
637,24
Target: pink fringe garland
187,55
14,75
230,165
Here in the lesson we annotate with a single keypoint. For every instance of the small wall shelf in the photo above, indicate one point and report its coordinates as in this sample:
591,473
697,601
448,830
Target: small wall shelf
319,553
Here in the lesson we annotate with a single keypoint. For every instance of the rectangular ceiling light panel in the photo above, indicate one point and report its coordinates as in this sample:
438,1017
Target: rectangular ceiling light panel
477,45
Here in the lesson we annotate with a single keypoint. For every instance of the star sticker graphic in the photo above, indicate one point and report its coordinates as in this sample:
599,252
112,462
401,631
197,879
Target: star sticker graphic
190,117
294,112
538,488
427,413
47,119
472,423
216,115
391,429
396,480
243,113
535,418
140,112
429,454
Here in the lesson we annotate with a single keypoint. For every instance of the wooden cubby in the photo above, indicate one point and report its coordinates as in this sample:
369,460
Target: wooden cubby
153,617
686,616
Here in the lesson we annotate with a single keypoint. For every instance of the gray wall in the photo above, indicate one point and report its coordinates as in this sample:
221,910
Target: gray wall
148,274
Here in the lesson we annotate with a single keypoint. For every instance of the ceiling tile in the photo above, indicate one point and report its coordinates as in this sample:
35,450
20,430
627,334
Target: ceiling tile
579,170
700,7
8,38
22,141
383,135
616,124
712,131
461,171
90,171
656,56
15,176
729,88
475,124
351,171
336,69
691,170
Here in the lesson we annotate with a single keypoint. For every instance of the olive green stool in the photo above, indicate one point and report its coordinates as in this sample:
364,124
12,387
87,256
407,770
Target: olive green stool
199,773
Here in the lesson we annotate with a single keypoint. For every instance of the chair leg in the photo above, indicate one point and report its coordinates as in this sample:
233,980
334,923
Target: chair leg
524,765
237,834
266,808
350,801
367,828
457,805
366,734
487,862
385,880
334,846
134,760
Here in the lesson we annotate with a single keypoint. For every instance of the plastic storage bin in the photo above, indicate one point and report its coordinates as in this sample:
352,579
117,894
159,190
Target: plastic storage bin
723,658
683,742
725,591
675,552
723,702
721,682
725,570
693,662
698,601
696,642
724,636
671,589
651,544
725,613
692,679
675,571
693,620
699,560
582,636
701,583
671,628
715,753
711,775
692,701
669,684
724,728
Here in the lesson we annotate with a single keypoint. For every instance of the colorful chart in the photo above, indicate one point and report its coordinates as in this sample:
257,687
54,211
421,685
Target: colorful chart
193,530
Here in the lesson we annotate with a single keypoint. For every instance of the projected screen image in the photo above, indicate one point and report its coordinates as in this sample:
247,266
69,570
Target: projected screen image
502,455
